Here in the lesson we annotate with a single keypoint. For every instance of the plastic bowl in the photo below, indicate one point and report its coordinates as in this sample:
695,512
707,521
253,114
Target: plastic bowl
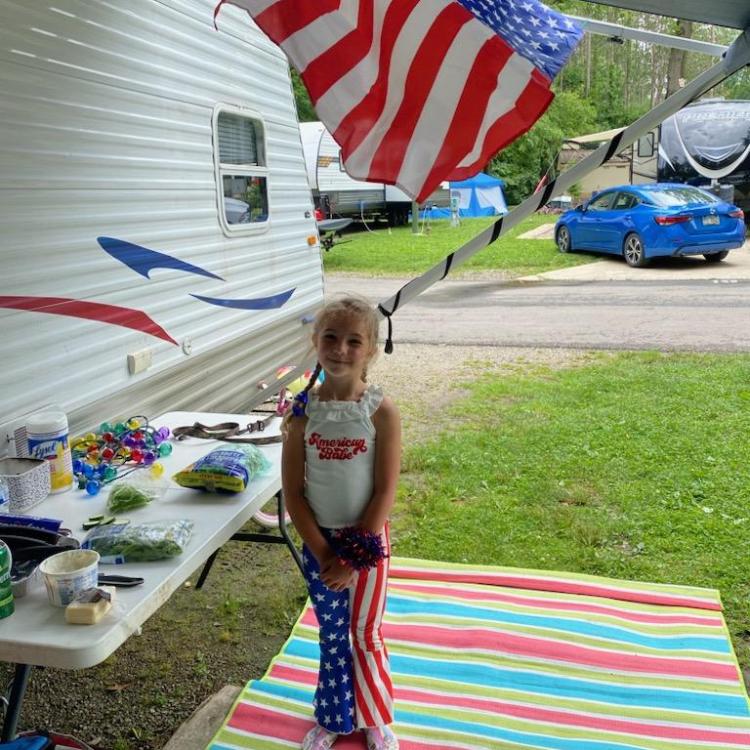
67,573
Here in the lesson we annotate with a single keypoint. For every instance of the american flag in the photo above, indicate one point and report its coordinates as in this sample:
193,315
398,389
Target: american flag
420,91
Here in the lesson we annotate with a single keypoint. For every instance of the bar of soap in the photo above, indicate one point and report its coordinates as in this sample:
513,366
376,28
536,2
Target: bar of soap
90,605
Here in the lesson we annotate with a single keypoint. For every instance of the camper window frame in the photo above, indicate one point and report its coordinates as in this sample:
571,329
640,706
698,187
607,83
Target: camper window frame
240,170
646,145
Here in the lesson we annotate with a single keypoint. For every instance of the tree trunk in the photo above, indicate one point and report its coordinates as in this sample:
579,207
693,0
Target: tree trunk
678,59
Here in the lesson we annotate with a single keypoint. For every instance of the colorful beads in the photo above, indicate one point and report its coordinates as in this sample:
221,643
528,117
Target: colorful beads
97,457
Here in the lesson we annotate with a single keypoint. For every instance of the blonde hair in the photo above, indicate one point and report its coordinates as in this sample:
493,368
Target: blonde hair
348,305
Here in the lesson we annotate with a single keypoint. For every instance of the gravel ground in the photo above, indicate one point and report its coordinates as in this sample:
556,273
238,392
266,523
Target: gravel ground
423,378
228,632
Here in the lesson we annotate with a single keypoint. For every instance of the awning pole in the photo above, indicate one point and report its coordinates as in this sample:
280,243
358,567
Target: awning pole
736,57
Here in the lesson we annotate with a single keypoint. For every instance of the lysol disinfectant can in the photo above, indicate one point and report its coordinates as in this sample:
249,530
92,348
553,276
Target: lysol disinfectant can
47,434
6,592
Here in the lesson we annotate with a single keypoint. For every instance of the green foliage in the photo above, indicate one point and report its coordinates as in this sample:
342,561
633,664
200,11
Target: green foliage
631,466
739,85
399,252
305,109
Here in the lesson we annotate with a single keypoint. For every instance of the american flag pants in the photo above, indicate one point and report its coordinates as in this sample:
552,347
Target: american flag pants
354,688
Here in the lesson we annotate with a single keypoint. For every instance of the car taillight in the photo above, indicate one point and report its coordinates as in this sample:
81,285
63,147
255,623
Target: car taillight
737,214
664,221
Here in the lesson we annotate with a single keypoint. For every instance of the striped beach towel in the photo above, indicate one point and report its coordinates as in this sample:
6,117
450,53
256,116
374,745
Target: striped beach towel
487,658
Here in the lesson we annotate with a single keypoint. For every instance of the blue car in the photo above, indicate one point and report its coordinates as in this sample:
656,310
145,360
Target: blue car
641,222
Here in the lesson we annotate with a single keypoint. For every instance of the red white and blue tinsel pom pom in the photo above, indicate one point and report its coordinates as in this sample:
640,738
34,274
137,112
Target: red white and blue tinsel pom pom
358,548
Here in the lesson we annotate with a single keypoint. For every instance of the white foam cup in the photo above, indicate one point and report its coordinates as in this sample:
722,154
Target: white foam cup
67,573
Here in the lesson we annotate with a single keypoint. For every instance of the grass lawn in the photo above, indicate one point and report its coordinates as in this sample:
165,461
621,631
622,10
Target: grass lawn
398,252
632,465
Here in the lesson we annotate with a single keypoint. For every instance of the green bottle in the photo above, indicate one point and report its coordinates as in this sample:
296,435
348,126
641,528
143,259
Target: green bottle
6,593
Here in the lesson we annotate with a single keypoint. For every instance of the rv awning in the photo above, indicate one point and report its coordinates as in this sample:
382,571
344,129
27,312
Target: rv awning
603,135
732,13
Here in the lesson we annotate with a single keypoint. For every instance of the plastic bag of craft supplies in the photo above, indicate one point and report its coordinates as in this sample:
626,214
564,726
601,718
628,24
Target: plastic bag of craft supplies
228,469
156,540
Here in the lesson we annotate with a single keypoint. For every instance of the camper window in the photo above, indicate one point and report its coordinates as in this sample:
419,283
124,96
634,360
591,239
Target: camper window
646,147
241,171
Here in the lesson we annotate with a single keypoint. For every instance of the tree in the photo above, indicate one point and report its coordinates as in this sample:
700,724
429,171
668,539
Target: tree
527,159
677,67
305,109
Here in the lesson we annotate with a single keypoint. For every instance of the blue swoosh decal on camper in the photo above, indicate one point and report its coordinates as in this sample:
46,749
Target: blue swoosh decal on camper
143,261
257,303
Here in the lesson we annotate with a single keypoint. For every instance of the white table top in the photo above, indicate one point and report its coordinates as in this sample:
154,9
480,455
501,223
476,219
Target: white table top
37,632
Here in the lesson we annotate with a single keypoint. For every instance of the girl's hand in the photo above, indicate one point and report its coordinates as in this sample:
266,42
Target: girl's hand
336,575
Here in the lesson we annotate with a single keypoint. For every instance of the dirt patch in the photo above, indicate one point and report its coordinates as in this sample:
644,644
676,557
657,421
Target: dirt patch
424,379
542,232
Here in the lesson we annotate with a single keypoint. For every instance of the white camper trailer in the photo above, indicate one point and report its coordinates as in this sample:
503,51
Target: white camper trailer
337,194
158,249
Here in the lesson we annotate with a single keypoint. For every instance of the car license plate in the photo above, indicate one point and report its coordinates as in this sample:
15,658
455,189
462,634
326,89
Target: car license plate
709,220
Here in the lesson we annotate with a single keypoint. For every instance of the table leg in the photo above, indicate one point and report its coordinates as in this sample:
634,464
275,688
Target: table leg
241,536
15,701
281,510
206,568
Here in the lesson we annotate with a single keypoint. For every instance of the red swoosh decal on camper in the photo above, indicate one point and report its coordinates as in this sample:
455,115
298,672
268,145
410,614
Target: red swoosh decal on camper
76,308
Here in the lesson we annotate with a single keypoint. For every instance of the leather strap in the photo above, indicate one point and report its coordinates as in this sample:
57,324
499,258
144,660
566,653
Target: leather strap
229,432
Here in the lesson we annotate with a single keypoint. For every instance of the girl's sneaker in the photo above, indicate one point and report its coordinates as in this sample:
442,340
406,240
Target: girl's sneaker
319,739
381,738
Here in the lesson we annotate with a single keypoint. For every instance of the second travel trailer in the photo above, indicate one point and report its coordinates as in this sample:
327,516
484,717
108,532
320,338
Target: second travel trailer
705,144
708,144
336,194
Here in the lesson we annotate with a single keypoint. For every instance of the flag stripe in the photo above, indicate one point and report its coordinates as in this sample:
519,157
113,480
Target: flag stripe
285,17
533,103
423,73
324,33
358,83
516,85
329,66
366,690
402,30
474,102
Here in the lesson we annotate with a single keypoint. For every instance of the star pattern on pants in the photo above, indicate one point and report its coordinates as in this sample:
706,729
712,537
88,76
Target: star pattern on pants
334,700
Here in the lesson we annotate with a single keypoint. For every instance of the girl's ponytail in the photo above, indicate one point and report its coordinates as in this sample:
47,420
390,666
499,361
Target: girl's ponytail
300,401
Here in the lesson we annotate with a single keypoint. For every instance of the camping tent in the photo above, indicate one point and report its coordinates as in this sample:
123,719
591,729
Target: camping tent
480,195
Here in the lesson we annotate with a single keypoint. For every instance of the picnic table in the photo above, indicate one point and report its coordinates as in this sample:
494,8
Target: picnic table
37,633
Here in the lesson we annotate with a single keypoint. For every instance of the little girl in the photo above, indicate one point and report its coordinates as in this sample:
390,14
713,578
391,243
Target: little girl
340,466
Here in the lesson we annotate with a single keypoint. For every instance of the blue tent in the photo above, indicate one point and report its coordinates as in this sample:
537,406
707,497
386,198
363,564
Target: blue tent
480,195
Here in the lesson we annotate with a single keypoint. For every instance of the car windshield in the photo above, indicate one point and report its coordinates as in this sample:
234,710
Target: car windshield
680,196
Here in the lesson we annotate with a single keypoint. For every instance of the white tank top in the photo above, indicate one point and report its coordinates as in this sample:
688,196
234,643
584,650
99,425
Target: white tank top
340,457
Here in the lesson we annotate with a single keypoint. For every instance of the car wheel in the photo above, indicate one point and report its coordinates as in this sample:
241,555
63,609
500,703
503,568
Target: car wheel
716,257
563,240
634,252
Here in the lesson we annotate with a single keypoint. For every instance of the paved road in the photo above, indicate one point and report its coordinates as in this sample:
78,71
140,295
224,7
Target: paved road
603,305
